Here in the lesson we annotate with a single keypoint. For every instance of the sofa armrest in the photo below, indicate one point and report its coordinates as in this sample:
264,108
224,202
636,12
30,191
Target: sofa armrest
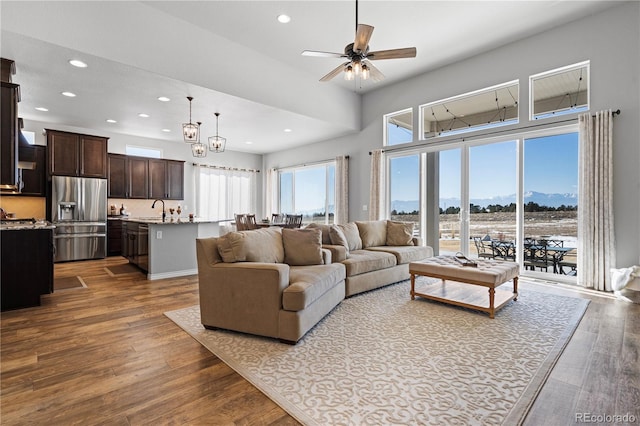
417,241
338,253
326,256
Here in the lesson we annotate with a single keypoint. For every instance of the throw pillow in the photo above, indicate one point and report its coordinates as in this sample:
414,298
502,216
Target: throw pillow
264,245
302,246
231,247
399,233
373,233
338,238
326,238
350,231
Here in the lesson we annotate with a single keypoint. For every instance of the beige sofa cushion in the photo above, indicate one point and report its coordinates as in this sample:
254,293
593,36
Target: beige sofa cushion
326,238
398,234
372,232
346,235
406,254
258,245
361,261
310,283
302,246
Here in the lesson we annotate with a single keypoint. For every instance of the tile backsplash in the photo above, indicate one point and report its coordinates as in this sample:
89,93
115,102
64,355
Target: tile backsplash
142,208
24,207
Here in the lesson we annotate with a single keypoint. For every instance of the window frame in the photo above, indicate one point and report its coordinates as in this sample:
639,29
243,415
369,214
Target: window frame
556,113
385,126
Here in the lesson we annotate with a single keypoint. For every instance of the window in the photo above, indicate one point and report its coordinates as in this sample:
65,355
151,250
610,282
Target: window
404,189
561,91
398,127
222,193
310,191
491,107
29,136
141,151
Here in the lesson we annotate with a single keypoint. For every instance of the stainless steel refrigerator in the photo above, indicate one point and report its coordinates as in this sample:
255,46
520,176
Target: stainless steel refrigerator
79,212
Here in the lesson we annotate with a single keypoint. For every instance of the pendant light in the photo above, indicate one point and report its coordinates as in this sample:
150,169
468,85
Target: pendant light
199,149
217,143
190,131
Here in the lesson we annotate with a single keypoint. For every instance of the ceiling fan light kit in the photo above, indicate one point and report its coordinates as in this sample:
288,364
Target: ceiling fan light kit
217,143
359,56
190,131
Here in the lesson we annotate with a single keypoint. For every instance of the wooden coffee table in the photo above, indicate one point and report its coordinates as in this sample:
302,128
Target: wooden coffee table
463,285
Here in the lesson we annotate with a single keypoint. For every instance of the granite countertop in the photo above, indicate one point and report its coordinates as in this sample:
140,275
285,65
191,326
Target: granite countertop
169,221
26,226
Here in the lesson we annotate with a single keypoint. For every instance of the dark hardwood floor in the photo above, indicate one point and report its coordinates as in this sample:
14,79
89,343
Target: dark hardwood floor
106,354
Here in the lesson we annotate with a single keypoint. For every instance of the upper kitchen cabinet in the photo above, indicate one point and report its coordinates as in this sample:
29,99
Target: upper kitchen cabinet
34,179
9,129
72,154
128,176
166,179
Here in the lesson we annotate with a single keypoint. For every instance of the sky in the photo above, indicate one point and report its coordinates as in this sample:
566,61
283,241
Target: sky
551,166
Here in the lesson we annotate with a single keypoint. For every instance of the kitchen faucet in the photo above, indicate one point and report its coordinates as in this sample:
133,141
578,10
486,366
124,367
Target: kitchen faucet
164,214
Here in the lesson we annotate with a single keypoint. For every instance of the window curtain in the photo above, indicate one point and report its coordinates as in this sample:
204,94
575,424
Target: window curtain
342,190
270,203
376,193
222,193
596,239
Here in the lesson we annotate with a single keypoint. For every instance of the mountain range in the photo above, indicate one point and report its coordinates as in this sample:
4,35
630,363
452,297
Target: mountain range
540,198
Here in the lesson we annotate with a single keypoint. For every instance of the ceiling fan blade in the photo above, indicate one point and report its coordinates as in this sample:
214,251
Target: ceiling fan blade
319,54
337,70
363,35
375,73
407,52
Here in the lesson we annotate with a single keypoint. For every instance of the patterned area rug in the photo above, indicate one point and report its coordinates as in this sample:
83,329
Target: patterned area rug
381,358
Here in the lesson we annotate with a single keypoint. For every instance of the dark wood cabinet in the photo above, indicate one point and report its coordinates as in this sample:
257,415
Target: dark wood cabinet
166,179
175,180
145,178
72,154
35,180
9,136
93,156
117,176
137,177
128,176
114,237
27,267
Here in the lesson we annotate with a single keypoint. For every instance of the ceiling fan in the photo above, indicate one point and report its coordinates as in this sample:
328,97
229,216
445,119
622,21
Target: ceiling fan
359,57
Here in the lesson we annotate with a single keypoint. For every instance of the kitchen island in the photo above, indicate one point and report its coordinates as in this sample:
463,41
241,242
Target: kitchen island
166,249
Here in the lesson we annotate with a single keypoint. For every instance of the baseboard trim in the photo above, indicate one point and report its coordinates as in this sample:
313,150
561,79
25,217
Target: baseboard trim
171,274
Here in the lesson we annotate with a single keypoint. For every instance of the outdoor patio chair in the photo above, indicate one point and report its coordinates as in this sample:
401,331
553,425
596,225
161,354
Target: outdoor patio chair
277,218
503,250
484,250
537,256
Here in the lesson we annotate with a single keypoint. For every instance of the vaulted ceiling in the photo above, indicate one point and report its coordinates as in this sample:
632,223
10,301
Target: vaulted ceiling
234,57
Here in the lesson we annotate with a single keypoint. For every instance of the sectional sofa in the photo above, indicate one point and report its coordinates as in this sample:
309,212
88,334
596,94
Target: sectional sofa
280,282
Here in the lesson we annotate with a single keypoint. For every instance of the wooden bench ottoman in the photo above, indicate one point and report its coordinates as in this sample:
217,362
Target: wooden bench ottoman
462,285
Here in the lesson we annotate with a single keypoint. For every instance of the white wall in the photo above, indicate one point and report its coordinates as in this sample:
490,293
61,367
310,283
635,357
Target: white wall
177,150
610,40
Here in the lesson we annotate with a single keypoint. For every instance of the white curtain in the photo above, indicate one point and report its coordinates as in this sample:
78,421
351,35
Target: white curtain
596,240
222,193
271,190
342,190
376,194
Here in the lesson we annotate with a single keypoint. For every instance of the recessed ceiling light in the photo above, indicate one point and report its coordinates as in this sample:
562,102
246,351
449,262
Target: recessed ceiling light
288,130
249,143
163,99
143,115
110,120
43,109
77,63
69,94
284,19
166,130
